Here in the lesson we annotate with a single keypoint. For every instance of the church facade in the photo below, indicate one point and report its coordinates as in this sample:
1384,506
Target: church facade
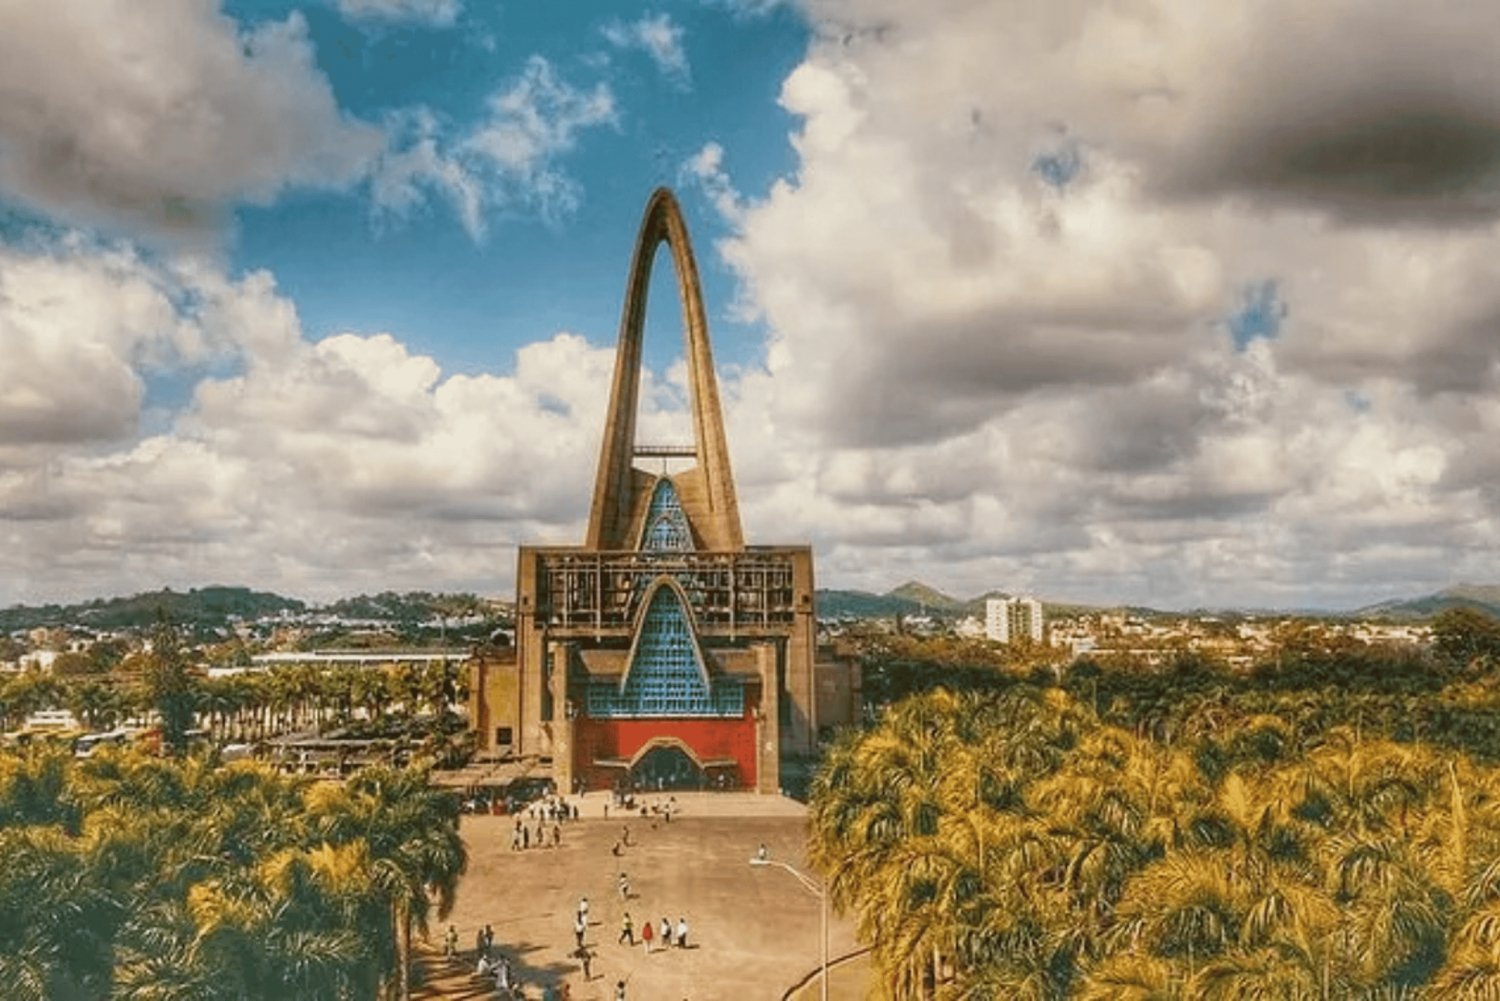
663,651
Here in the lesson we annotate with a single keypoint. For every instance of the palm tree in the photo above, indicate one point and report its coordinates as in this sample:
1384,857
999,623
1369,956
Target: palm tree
56,920
411,830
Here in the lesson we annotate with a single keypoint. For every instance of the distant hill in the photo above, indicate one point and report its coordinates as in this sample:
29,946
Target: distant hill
925,596
208,606
1480,597
213,607
412,606
916,598
833,604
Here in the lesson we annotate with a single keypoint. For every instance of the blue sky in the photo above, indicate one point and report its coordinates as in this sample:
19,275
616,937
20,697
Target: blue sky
471,302
321,296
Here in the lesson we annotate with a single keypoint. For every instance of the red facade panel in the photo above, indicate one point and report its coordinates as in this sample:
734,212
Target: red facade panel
620,739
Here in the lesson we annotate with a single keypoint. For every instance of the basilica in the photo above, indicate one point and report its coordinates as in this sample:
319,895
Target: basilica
663,652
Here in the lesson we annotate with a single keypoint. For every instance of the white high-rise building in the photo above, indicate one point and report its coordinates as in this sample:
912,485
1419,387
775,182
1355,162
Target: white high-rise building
1010,619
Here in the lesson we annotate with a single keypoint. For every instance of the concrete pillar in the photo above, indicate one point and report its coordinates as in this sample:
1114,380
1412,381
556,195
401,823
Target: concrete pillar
767,723
562,724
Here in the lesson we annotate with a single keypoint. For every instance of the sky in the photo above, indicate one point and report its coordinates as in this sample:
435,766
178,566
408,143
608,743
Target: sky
1156,302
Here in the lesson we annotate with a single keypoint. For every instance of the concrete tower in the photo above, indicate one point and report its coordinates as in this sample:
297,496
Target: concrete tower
621,491
663,649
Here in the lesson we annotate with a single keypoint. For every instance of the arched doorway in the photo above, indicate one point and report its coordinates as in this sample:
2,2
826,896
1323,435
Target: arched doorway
666,766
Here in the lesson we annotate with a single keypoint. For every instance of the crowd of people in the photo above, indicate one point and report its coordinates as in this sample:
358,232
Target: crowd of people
540,825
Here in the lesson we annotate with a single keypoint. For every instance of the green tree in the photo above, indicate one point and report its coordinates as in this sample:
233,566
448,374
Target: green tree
171,687
1464,636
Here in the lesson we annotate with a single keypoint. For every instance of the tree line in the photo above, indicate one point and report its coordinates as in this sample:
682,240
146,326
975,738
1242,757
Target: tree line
241,707
1448,694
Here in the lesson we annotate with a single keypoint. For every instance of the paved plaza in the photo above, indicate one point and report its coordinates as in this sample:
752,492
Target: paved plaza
753,930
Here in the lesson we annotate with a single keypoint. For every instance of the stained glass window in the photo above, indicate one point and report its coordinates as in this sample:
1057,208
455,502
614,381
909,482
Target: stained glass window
666,677
666,525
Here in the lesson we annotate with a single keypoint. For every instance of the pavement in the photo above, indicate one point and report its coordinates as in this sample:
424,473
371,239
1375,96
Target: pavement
753,930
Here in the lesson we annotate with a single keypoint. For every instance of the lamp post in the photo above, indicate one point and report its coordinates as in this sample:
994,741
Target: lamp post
817,890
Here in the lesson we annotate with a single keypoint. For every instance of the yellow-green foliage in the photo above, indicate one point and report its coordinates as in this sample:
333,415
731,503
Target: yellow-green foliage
1011,846
132,877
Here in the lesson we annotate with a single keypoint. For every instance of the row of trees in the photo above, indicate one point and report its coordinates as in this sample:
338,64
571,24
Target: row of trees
146,879
1448,695
1013,846
236,707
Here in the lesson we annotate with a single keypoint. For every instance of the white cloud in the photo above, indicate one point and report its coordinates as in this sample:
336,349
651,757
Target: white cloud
982,375
705,169
438,13
416,165
317,467
509,159
659,37
974,374
160,117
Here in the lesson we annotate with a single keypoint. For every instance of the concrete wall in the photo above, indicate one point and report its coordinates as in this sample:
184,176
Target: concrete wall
494,702
839,691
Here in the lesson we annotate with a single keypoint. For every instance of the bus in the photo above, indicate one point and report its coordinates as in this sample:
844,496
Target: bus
85,746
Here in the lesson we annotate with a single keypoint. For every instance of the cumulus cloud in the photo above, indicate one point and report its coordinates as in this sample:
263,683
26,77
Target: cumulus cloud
319,467
438,13
76,328
1179,307
1140,318
159,117
509,159
659,37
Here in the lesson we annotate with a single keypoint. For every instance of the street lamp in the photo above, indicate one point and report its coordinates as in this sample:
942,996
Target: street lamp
816,889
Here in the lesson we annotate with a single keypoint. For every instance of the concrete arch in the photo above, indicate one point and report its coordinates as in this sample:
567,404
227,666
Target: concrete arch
673,742
707,492
670,583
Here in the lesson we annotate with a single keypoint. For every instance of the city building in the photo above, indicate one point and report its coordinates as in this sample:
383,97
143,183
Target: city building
663,651
1007,620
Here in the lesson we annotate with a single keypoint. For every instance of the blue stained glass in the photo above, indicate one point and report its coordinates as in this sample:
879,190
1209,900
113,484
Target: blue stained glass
666,525
666,676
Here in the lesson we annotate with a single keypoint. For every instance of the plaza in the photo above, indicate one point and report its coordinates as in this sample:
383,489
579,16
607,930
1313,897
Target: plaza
753,930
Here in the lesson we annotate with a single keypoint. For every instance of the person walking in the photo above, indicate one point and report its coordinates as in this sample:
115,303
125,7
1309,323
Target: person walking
502,974
624,887
479,948
578,929
647,933
627,929
666,933
489,939
583,910
450,943
625,836
682,933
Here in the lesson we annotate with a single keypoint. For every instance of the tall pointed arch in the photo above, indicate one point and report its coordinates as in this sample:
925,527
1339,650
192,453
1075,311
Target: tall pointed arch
707,490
